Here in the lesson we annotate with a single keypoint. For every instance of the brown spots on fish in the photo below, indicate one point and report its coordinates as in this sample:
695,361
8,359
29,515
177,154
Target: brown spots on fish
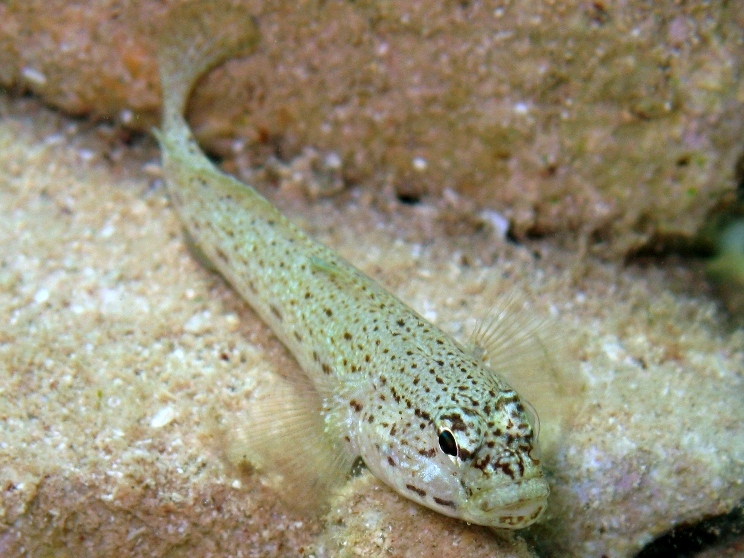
221,255
506,469
445,503
482,463
391,461
455,422
417,490
422,414
510,519
354,404
276,312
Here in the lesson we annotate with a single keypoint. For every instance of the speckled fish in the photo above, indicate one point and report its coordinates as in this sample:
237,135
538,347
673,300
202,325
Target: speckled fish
427,415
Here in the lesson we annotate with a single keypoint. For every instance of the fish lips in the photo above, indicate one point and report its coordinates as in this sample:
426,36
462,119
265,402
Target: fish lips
513,506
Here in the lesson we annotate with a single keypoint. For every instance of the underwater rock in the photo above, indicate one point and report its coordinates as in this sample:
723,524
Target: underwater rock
370,520
616,123
658,441
118,349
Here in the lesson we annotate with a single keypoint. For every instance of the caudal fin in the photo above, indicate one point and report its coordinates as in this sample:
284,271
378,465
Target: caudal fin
197,36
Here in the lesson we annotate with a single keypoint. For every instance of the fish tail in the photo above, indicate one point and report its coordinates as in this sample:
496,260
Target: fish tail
194,39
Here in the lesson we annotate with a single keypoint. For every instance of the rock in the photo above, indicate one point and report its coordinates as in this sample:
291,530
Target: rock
617,124
97,291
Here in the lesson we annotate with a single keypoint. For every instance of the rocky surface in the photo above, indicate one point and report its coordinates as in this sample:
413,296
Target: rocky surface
618,124
117,349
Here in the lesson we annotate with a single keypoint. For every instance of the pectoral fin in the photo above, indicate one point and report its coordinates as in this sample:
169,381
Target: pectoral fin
528,351
286,438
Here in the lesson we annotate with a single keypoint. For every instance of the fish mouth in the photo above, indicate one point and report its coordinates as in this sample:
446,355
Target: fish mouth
514,506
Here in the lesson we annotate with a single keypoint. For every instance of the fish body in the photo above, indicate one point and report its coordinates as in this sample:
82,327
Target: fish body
426,415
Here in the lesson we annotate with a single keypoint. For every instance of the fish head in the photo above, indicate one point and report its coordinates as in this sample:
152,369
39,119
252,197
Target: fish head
501,477
479,463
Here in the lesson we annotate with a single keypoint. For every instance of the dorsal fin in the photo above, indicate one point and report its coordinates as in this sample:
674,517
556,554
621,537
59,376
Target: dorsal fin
344,274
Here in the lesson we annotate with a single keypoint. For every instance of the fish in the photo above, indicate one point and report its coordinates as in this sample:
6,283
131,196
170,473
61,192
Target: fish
430,417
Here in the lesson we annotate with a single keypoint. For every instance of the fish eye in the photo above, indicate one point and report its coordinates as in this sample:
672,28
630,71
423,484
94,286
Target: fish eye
447,442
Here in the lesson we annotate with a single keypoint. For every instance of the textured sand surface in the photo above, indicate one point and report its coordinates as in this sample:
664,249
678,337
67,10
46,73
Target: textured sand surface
619,123
117,350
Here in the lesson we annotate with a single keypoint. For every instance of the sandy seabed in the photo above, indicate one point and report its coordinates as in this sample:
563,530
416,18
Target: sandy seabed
117,349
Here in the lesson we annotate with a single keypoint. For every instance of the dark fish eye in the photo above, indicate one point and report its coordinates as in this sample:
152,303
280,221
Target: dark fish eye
447,443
